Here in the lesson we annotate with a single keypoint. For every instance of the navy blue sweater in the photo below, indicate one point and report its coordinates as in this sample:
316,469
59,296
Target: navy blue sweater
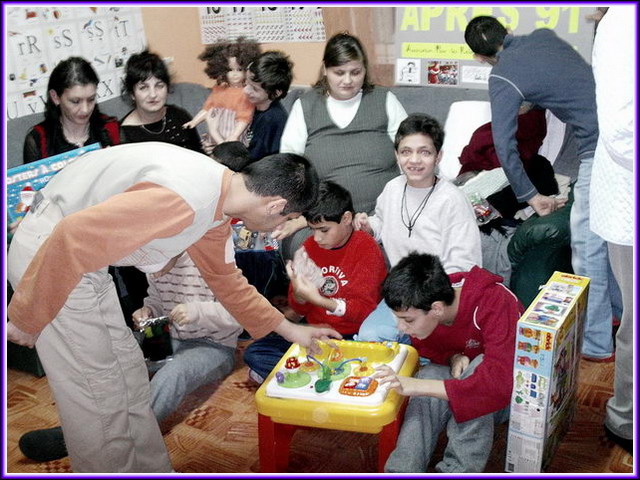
545,70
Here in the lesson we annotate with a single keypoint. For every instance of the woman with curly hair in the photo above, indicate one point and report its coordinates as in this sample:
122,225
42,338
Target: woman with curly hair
228,112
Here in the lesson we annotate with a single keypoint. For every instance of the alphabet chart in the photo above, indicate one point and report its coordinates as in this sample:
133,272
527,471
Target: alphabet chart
263,24
38,38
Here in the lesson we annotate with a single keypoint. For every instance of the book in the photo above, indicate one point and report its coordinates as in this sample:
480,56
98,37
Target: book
25,180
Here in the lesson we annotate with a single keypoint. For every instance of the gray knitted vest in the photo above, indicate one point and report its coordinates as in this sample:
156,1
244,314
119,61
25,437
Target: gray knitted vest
360,157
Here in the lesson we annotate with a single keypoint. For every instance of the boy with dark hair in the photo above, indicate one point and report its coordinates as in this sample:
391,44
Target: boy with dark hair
352,268
268,80
418,211
233,155
466,324
542,69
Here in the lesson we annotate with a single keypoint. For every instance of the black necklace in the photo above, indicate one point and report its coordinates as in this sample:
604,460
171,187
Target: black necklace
412,219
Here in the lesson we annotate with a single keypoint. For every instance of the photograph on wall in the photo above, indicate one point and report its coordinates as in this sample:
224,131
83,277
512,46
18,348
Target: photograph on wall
475,74
442,73
408,71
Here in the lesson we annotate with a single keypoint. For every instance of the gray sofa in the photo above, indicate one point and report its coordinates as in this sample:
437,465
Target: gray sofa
191,96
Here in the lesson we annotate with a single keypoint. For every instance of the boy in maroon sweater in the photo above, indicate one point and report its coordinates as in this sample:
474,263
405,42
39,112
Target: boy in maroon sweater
353,269
465,323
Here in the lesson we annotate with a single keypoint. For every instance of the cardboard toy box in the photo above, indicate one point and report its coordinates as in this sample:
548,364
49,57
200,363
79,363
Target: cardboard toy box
548,345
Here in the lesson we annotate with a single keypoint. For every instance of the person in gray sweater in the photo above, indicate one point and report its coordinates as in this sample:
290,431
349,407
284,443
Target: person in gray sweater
543,69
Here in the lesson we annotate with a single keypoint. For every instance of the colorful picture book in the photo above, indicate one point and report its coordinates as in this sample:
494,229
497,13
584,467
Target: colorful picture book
25,180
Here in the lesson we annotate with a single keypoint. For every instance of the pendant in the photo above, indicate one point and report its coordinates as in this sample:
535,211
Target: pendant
409,228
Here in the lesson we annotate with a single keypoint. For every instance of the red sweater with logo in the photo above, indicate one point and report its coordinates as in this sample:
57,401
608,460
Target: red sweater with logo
486,323
353,273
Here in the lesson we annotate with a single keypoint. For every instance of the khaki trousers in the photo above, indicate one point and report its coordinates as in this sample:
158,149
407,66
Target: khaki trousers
94,366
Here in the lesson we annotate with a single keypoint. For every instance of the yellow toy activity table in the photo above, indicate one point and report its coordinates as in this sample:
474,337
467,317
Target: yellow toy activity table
333,390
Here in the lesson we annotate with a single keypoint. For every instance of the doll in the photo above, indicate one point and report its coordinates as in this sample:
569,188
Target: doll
227,110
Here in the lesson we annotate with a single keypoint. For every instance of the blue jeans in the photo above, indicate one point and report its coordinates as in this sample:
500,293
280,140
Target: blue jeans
263,355
589,258
195,362
381,326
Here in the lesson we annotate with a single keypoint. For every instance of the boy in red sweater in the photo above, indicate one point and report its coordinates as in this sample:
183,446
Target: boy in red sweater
465,323
353,269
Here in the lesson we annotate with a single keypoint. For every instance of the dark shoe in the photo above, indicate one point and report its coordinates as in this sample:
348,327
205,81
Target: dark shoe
625,443
43,445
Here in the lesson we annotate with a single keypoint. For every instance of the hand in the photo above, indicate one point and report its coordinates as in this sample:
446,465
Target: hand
180,314
288,228
459,364
544,205
207,144
303,289
306,336
406,386
140,315
20,337
361,222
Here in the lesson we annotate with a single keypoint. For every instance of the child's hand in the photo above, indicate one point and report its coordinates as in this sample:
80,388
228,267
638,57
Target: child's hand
303,289
406,386
459,363
288,228
140,315
306,336
361,222
180,314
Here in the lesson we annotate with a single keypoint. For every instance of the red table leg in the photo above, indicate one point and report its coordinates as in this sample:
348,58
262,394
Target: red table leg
388,437
273,443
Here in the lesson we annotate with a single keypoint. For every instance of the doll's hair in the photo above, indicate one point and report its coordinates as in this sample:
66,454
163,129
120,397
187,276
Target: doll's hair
217,57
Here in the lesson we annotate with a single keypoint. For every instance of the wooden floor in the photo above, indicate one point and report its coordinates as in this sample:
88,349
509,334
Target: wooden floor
215,431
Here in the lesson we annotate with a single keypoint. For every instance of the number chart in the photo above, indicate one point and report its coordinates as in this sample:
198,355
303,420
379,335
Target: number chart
263,24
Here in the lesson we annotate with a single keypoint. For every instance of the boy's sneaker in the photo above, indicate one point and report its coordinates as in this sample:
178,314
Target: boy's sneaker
255,376
43,445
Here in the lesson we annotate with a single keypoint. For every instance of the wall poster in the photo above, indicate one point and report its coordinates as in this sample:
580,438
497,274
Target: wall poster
38,38
433,37
262,24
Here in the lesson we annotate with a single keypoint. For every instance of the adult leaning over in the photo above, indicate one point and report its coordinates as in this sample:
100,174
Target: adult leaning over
346,127
72,118
139,204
